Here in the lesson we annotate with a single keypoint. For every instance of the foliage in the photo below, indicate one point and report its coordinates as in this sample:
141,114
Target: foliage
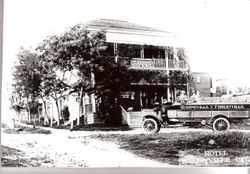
110,81
33,107
17,108
54,80
27,77
148,76
82,53
80,50
178,78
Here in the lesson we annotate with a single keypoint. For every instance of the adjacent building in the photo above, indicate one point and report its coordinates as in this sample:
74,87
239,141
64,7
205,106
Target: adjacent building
203,84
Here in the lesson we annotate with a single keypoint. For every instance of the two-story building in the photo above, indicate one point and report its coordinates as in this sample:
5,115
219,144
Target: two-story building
144,50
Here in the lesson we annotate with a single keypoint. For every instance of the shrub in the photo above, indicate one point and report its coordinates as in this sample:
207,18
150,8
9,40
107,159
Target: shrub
65,113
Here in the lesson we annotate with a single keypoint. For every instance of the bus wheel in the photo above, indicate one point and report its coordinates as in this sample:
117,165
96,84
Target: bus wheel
150,125
221,124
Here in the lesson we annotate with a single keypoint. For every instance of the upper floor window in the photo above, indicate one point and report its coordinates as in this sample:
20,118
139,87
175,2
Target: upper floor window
153,52
129,50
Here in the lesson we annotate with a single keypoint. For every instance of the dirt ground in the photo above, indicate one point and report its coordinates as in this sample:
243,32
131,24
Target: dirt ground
63,148
77,149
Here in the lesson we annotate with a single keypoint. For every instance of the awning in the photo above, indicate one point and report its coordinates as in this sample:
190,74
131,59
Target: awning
143,39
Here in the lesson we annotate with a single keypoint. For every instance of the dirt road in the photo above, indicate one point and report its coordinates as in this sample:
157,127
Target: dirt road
63,148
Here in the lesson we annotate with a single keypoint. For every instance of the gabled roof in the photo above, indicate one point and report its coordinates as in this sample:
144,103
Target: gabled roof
118,24
118,31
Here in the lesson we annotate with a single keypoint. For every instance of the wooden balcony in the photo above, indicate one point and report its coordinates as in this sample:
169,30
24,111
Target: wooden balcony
177,65
154,64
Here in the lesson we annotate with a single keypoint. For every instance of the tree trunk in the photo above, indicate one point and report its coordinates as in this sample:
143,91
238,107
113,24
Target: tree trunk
71,125
51,121
51,117
39,115
34,121
80,107
59,112
21,116
14,123
29,119
45,112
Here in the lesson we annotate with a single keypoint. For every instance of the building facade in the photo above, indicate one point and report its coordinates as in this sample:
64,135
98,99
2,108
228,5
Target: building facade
203,84
148,52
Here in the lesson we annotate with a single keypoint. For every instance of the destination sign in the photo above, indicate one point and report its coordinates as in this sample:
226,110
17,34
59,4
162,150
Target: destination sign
215,107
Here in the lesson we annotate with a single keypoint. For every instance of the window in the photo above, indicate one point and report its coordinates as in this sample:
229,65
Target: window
129,50
153,52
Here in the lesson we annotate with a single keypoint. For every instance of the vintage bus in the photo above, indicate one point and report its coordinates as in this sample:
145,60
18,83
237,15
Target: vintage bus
216,114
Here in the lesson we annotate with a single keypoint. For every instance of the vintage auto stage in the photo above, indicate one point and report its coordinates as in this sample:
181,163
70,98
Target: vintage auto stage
217,115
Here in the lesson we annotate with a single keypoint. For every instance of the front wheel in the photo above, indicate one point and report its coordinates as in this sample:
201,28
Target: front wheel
221,124
150,125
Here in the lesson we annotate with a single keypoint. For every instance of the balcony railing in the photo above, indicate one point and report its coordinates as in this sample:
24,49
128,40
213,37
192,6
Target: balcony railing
161,64
179,64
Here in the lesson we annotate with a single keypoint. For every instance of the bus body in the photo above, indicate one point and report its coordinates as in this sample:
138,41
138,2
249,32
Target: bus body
217,115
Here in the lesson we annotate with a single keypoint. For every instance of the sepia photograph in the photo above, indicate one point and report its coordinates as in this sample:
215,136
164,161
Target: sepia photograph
125,83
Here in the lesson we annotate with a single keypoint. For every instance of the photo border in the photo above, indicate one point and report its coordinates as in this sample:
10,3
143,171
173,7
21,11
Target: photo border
175,170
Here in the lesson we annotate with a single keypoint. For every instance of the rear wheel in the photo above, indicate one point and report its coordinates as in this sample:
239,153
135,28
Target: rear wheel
221,124
150,125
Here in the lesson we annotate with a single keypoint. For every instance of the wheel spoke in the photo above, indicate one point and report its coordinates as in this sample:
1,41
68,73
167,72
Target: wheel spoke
150,125
221,124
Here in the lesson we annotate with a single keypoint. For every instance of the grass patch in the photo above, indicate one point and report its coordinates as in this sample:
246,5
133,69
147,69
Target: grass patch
12,157
4,125
166,147
241,124
100,127
87,127
26,130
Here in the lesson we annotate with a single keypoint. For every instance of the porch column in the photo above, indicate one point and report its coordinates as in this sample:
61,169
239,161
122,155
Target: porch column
93,102
166,57
167,70
115,52
168,92
142,52
93,95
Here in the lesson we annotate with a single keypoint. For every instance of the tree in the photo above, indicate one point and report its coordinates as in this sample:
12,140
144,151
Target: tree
110,81
54,81
79,50
179,80
85,53
27,80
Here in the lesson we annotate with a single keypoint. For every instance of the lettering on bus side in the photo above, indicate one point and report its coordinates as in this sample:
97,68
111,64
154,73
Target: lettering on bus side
214,107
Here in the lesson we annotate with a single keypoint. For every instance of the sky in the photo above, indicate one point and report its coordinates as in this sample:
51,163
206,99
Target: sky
216,33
